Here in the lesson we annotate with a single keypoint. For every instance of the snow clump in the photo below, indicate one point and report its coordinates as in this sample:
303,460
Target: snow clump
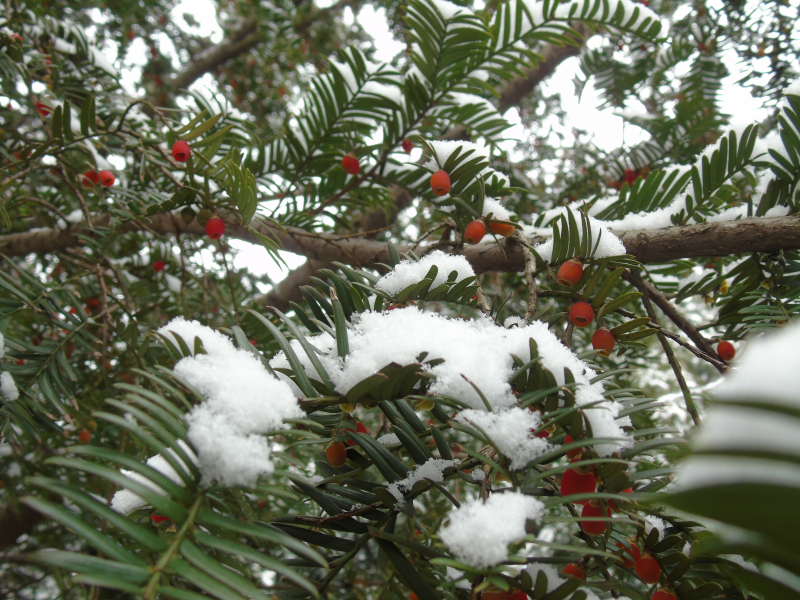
7,387
512,431
477,349
410,272
432,469
243,402
479,533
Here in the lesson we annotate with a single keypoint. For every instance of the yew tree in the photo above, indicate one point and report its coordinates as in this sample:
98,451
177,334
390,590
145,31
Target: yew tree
504,369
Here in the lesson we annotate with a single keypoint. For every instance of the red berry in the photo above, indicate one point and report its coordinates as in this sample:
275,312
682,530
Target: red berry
503,229
158,266
603,341
518,595
360,428
43,109
593,509
262,503
408,145
106,178
440,183
84,436
215,228
581,314
648,569
575,451
337,454
494,594
726,350
90,178
664,594
633,552
578,481
573,570
350,164
93,303
413,596
474,232
158,519
181,151
16,37
611,502
631,176
570,272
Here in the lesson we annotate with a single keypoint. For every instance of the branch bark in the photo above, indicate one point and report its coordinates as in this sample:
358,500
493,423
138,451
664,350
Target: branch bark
655,246
240,41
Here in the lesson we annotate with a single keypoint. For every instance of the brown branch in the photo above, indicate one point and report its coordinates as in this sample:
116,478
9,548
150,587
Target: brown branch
288,290
659,245
240,41
16,520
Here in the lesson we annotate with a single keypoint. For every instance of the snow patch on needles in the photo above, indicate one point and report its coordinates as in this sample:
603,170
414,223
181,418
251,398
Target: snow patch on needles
769,373
7,386
125,501
512,431
609,244
432,469
477,349
448,10
499,212
479,532
443,149
243,402
410,272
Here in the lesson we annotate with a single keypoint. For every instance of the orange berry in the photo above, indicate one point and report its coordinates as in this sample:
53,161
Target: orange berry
647,568
726,350
106,178
413,596
633,552
664,594
603,341
440,183
570,272
475,231
503,229
593,509
360,428
350,164
337,454
573,570
581,314
84,436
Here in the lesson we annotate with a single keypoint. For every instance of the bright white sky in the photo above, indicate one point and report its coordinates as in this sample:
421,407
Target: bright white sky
583,113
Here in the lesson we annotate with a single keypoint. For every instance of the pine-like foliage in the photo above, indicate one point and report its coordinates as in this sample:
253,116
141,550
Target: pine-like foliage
380,441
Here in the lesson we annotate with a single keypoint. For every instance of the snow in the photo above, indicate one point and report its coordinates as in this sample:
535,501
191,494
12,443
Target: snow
7,387
477,474
479,533
651,523
499,212
769,370
512,431
173,283
478,349
243,402
553,578
792,88
389,439
432,469
443,149
768,373
610,245
125,501
101,61
410,272
2,345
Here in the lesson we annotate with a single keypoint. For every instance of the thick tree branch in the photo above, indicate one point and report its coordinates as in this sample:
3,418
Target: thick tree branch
659,245
240,41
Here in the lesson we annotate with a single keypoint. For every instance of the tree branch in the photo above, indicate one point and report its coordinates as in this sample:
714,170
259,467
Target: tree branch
656,246
240,41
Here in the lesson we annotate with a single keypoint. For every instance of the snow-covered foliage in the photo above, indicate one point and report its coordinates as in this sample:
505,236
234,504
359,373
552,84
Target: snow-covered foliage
479,532
243,402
